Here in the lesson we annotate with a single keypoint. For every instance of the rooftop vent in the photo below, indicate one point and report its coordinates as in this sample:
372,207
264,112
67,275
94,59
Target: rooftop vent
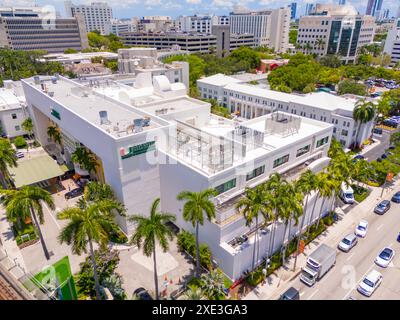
36,79
53,80
138,123
103,117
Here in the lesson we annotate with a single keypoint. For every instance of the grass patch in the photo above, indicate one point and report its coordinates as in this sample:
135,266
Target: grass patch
24,232
360,193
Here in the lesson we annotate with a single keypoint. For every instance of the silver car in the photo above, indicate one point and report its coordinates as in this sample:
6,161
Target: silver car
348,242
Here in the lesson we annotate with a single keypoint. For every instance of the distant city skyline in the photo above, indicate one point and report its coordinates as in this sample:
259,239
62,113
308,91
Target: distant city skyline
174,8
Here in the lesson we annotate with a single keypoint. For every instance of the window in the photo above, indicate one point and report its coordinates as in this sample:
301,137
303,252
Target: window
278,162
14,115
303,150
322,141
345,133
334,129
17,128
226,186
255,173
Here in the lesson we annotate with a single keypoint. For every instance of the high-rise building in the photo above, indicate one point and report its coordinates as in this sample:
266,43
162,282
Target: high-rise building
270,27
342,2
96,15
309,8
392,43
386,14
293,10
41,29
118,26
335,29
374,8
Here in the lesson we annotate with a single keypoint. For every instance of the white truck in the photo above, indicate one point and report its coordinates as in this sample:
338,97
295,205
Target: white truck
318,263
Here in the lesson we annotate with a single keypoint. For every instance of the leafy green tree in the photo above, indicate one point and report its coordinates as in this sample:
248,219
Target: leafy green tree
293,36
70,50
330,60
27,202
27,125
53,132
196,204
352,87
193,293
20,142
150,231
395,138
85,158
86,226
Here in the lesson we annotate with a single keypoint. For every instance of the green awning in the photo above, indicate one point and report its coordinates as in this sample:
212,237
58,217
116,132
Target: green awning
34,170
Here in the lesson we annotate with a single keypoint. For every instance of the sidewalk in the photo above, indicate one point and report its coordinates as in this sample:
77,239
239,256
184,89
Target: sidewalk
277,282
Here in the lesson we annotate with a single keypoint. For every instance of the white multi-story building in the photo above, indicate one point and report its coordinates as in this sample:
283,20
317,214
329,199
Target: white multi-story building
200,23
152,140
334,29
13,109
96,15
140,60
249,101
118,26
156,24
269,27
392,43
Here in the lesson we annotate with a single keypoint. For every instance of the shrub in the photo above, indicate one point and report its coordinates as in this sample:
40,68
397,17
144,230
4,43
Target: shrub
187,242
20,142
119,237
328,219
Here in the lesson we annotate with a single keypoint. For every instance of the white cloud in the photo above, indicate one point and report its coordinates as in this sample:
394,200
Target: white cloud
193,1
222,3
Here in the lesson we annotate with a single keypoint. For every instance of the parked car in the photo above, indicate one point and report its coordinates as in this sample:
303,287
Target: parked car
362,228
19,154
378,131
369,283
392,147
359,157
384,156
382,207
142,294
74,193
385,257
348,242
396,197
290,294
346,193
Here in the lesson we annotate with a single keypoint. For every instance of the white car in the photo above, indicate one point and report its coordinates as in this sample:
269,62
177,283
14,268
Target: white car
369,283
348,242
19,154
385,257
361,229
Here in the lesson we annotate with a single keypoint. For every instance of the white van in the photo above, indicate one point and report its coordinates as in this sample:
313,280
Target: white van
346,193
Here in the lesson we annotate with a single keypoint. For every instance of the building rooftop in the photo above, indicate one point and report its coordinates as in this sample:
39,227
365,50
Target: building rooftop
219,79
11,96
112,116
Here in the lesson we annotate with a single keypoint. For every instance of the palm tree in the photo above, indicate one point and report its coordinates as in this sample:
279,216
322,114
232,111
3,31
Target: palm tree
27,125
95,223
320,43
363,112
307,48
151,230
213,284
275,202
251,205
306,185
96,191
325,188
54,134
85,159
196,204
193,293
8,158
27,202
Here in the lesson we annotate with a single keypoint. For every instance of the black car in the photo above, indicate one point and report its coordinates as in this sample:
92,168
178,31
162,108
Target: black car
142,294
382,207
392,147
384,156
74,193
290,294
396,197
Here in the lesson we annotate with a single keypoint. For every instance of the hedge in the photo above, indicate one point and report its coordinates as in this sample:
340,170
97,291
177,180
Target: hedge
187,242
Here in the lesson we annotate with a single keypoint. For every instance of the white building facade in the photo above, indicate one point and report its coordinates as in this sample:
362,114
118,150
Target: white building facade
333,29
118,26
96,15
248,101
392,43
269,27
200,23
152,140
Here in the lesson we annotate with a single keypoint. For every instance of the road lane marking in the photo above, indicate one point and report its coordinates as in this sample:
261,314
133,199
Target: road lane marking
377,229
313,294
302,293
54,219
350,256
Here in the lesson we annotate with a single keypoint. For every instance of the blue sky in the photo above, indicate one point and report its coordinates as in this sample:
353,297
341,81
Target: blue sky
139,8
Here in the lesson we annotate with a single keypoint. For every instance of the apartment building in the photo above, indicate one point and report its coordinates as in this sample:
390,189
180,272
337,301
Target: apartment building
249,101
152,140
200,23
392,43
269,27
38,32
140,60
96,15
156,24
13,109
118,26
334,29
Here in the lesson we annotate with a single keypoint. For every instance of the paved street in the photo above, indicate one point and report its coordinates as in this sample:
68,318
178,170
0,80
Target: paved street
341,281
377,151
